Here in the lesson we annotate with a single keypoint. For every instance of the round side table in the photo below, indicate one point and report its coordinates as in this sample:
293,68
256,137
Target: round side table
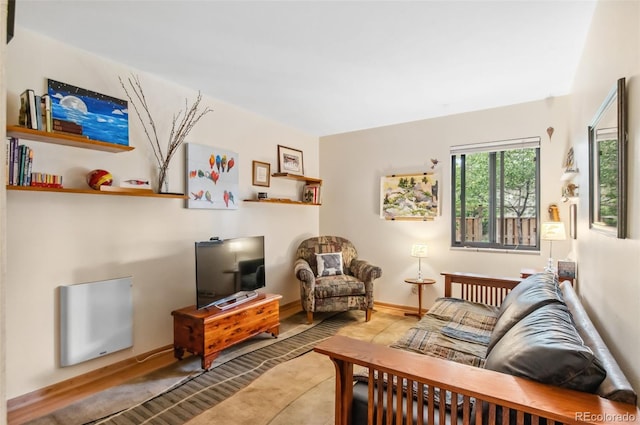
420,284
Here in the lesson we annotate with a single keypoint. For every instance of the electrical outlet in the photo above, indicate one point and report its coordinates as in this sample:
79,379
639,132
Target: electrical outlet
414,289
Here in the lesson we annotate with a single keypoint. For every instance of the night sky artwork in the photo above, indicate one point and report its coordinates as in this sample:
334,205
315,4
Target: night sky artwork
102,117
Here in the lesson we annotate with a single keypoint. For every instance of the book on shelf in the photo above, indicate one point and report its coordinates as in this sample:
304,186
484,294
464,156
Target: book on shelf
47,119
311,193
66,126
28,115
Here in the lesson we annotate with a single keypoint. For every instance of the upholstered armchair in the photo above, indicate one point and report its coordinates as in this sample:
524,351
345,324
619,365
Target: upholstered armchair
333,278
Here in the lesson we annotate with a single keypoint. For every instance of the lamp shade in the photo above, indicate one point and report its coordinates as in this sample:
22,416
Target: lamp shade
419,250
553,231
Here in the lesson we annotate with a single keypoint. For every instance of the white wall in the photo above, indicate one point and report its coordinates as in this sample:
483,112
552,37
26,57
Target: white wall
609,267
3,220
58,239
353,163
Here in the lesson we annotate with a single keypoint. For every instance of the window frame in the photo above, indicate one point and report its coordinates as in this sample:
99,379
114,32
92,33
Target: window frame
496,204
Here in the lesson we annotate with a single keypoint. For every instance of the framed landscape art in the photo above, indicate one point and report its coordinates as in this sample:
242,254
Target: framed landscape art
409,197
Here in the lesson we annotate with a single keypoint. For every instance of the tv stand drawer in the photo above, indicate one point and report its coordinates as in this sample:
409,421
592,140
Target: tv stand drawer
208,331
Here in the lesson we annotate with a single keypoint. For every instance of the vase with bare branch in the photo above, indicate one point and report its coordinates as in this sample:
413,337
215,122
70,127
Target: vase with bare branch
183,122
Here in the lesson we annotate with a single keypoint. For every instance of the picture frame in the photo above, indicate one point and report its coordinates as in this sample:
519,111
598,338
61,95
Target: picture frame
212,177
290,161
573,213
261,175
410,196
102,117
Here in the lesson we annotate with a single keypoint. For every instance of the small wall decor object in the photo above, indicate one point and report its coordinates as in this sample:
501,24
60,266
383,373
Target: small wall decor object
409,197
99,116
261,173
97,178
212,177
182,124
290,161
550,132
554,213
573,220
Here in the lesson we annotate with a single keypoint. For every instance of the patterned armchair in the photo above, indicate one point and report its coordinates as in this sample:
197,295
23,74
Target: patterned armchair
327,286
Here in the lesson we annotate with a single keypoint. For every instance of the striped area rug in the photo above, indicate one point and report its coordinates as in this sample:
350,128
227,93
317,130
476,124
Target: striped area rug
192,397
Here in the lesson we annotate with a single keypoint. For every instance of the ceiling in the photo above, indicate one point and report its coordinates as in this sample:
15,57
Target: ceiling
327,67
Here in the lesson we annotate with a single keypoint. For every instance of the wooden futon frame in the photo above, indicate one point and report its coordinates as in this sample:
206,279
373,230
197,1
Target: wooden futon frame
506,399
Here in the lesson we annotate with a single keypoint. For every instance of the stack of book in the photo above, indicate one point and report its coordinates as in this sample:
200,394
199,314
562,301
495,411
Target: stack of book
36,114
311,194
19,167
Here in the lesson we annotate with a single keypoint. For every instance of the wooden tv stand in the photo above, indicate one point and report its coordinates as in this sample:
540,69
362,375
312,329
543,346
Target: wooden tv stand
208,331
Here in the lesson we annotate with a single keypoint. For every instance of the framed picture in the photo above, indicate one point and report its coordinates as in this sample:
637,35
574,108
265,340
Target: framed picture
290,161
101,117
409,197
261,173
212,177
573,212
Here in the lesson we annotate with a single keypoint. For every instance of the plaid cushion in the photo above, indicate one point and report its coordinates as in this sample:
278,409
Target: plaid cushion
452,329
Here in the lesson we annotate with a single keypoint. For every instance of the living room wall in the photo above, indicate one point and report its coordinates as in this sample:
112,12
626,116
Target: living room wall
56,239
353,163
609,267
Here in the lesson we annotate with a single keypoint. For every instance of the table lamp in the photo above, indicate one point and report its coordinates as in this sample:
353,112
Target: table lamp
419,250
552,231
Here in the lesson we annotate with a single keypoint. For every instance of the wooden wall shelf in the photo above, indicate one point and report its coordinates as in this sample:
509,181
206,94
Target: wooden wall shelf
143,194
64,139
309,180
281,201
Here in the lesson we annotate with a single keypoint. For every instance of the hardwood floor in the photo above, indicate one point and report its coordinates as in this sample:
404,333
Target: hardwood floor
49,399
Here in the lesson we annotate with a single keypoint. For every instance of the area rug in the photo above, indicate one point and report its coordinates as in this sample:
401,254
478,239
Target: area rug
199,393
264,380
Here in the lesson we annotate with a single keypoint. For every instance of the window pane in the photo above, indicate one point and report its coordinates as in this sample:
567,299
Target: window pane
477,197
495,201
520,203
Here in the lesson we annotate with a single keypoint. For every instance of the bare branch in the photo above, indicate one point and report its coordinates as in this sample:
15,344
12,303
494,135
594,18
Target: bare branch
180,127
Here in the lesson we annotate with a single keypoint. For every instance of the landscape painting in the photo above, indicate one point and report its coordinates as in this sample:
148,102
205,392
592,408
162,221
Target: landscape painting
102,117
212,177
409,197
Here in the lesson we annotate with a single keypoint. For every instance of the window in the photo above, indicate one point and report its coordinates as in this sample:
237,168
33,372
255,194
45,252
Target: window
496,194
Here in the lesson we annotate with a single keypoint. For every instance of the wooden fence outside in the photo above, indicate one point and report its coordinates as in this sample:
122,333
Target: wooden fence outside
529,230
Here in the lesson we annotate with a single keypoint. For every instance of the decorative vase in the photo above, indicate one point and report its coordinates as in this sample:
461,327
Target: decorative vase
163,179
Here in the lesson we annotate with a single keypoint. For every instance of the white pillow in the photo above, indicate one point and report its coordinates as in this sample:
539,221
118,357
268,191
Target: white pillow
329,264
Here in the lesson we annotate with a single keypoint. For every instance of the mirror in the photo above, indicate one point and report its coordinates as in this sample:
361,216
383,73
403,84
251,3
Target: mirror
608,165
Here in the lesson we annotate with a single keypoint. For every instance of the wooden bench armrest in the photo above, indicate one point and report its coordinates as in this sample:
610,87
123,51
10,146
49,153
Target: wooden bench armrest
518,394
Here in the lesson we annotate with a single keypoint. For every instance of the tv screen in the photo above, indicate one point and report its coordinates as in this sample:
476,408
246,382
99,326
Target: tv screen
228,267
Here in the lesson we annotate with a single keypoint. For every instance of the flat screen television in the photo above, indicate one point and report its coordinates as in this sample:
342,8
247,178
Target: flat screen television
228,269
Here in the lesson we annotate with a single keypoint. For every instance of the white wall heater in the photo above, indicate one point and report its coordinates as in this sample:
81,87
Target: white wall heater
96,318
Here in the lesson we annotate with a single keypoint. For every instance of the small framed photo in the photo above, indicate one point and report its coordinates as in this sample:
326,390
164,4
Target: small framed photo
261,173
290,161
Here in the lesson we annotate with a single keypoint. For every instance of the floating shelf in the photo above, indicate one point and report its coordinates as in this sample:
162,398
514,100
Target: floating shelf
281,201
143,194
309,180
65,139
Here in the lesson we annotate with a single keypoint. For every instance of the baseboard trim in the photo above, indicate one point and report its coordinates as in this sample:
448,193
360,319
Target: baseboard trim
395,309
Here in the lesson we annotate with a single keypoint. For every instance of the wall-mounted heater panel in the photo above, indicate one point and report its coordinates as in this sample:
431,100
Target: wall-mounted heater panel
96,318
